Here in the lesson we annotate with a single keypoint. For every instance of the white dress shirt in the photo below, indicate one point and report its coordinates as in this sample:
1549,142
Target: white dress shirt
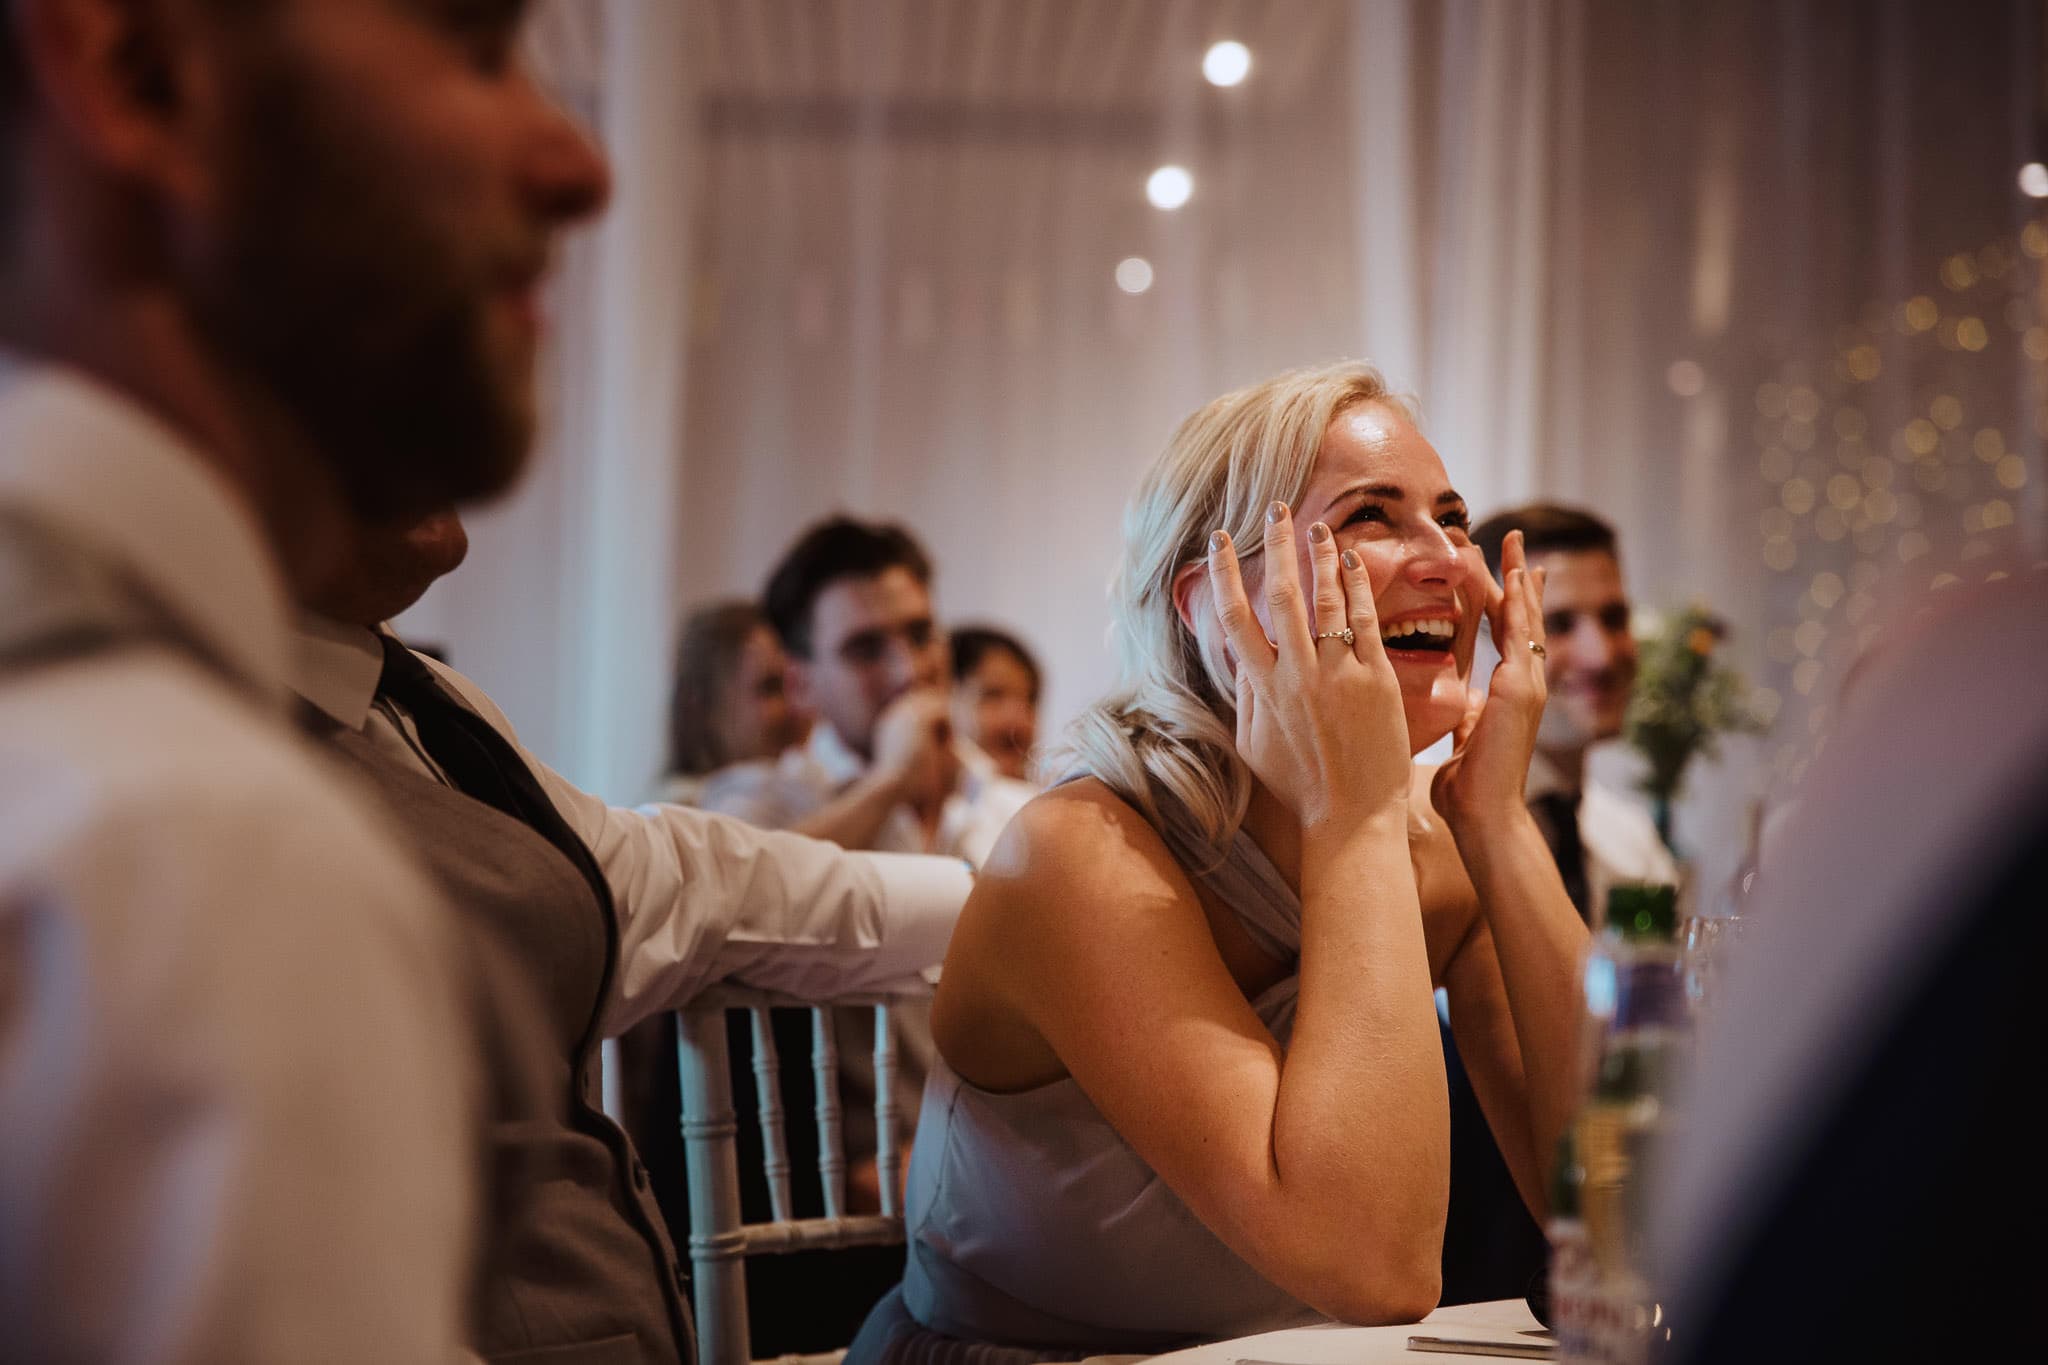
236,1103
779,794
700,898
1617,834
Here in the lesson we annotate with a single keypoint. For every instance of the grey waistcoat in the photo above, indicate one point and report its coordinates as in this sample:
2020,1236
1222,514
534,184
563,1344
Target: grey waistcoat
577,1267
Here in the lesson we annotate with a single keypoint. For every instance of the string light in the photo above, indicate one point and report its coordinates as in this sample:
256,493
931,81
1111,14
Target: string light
1169,187
1931,492
1227,63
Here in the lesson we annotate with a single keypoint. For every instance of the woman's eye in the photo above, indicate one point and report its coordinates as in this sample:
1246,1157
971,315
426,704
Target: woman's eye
1366,512
1460,522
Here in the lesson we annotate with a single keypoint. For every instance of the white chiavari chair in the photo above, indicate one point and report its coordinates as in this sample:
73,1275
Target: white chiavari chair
719,1241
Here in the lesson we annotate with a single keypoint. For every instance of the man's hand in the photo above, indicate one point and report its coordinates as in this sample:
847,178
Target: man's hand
914,748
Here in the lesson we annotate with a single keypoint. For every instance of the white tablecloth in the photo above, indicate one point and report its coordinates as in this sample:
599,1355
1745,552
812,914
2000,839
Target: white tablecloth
1335,1344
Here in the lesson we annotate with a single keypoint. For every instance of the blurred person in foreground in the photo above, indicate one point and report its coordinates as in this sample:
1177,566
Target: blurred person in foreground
1858,1172
266,266
995,696
1493,1249
610,916
1190,1082
731,699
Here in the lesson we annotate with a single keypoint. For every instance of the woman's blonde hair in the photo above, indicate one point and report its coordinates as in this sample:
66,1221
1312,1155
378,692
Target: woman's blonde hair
1170,724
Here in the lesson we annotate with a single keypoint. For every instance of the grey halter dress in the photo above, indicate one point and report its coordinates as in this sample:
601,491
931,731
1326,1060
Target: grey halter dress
1033,1224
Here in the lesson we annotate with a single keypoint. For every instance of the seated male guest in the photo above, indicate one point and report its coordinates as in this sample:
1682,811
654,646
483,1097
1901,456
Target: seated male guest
1492,1248
1598,836
263,267
883,768
613,915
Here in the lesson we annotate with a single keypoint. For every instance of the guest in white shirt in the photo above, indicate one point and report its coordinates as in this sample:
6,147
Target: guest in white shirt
1598,835
883,768
236,1091
731,699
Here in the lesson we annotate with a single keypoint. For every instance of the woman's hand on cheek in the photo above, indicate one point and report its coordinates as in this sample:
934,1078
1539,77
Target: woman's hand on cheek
1489,763
1319,721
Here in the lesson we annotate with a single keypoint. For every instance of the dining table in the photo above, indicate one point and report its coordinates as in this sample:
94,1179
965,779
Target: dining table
1505,1323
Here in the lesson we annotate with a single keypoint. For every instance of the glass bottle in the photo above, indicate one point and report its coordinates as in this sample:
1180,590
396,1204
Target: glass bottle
1638,1032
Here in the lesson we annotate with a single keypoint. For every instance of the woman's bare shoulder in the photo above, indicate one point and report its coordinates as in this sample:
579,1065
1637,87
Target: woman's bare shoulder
1078,881
1079,834
1077,867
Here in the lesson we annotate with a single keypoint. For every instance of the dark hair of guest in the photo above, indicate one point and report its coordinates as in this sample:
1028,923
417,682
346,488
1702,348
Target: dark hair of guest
833,550
1544,526
971,644
707,656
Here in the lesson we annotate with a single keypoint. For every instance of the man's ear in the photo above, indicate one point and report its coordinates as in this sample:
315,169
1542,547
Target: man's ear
112,74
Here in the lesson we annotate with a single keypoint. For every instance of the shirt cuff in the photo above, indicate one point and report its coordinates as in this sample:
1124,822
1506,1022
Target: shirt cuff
921,900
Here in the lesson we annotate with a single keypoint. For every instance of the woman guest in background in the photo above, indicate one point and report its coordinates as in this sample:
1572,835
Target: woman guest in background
730,704
1192,1083
995,696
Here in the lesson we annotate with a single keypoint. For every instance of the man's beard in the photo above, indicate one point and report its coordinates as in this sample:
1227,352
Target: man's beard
330,293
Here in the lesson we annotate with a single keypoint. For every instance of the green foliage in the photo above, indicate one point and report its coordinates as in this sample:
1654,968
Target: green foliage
1684,701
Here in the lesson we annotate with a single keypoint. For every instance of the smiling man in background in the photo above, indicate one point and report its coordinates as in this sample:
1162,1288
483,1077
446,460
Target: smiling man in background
1597,836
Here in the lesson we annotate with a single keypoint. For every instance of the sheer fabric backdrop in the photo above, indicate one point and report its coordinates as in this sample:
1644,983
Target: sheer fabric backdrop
1641,256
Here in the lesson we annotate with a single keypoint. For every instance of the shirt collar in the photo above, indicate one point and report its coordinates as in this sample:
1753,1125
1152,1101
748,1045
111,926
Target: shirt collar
104,472
336,668
834,757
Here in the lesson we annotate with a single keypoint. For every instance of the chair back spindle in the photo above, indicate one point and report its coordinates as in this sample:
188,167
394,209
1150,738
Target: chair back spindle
831,1139
719,1240
768,1093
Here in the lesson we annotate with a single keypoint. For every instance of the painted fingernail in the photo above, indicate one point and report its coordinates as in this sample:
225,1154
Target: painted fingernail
1274,513
1319,533
1217,540
1351,559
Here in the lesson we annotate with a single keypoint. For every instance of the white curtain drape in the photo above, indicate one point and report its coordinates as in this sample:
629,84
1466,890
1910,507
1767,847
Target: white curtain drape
1670,261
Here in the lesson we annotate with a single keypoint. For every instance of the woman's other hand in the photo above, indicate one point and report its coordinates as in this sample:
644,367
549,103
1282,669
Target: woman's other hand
1319,722
1489,763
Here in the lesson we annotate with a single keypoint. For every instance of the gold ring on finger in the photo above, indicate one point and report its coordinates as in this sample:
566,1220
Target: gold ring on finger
1345,635
1538,650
